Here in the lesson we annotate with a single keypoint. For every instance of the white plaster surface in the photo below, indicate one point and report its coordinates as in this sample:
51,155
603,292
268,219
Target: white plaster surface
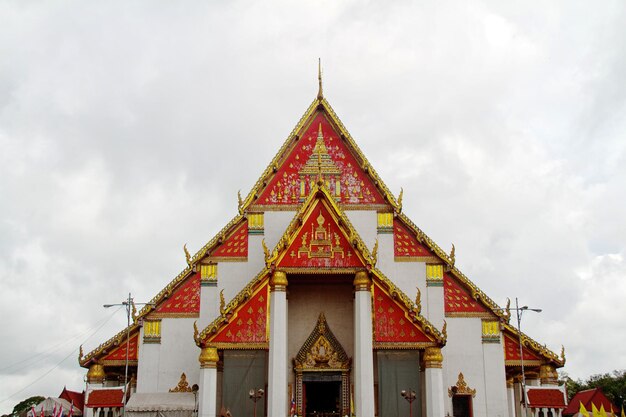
366,225
275,223
207,401
363,355
277,379
148,367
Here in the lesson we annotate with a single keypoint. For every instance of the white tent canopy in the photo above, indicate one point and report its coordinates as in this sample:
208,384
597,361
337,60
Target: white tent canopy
166,404
49,405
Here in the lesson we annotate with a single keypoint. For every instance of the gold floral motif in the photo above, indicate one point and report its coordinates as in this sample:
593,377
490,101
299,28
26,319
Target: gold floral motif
321,351
183,385
461,388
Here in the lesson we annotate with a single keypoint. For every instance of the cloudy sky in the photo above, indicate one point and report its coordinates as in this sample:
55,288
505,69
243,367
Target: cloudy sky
126,129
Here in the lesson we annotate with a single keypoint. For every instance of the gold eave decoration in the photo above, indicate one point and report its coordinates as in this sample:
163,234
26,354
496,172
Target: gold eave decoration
415,313
536,347
319,104
105,347
225,314
476,292
321,351
183,385
461,388
320,191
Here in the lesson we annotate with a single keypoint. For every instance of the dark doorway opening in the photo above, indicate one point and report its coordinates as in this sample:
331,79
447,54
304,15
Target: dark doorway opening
323,399
462,406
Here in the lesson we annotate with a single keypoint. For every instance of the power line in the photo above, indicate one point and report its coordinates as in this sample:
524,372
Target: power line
60,362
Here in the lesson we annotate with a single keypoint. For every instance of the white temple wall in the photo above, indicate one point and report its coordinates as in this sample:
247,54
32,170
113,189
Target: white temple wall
464,353
232,277
495,379
385,254
209,304
305,303
275,223
366,225
147,368
178,354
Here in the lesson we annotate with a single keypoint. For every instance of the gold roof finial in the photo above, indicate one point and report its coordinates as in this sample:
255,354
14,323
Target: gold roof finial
320,93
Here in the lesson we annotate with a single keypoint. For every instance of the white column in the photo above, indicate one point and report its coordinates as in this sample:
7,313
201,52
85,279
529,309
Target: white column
207,402
510,397
277,401
433,360
363,347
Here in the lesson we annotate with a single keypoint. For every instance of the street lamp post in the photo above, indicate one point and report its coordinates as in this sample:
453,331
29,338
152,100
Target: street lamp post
410,397
519,311
128,303
255,395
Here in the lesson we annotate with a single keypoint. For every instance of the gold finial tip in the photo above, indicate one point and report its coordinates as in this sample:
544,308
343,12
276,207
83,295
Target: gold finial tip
320,93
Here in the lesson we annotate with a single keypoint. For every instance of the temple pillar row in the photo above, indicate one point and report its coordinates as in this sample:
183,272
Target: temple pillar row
363,347
278,364
433,362
510,397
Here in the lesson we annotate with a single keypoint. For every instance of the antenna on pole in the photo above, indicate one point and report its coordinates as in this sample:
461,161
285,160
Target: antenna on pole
320,93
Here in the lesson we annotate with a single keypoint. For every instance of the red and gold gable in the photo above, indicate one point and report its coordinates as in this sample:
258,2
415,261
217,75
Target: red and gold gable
511,351
234,247
459,301
320,243
345,178
184,301
406,246
392,322
248,325
118,355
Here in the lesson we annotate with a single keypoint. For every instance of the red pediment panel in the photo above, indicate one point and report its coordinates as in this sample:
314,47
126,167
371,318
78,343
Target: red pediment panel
406,245
320,243
392,322
184,301
320,146
119,353
458,299
235,246
248,323
511,351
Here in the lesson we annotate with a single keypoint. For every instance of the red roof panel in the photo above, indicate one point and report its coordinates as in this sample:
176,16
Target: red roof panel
591,396
550,397
105,398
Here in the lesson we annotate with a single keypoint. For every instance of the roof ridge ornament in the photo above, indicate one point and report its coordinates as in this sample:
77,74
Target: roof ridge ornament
320,92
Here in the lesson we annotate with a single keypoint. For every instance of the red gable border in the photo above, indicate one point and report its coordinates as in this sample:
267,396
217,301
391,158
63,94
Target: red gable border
184,301
247,326
459,302
512,355
407,248
118,355
294,177
234,247
320,243
393,326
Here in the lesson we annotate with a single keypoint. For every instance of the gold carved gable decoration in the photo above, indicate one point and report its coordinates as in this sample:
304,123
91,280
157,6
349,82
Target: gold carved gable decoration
461,388
321,351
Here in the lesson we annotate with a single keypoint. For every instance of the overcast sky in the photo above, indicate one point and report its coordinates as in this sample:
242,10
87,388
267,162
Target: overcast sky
127,127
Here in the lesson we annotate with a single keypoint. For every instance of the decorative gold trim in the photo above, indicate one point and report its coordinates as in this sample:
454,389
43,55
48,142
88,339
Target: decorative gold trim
461,388
208,357
533,345
320,271
490,331
96,374
516,363
208,272
548,374
471,314
227,259
404,345
122,362
278,281
183,385
248,291
172,315
321,351
113,342
152,331
426,259
433,357
241,346
362,281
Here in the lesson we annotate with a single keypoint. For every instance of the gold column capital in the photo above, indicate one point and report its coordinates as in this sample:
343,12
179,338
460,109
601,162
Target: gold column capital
96,374
278,281
362,281
433,357
208,357
548,375
510,382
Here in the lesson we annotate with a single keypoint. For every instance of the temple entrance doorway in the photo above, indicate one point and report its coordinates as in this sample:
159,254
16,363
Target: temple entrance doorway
322,395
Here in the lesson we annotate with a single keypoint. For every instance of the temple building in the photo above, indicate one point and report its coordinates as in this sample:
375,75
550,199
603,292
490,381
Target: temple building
320,297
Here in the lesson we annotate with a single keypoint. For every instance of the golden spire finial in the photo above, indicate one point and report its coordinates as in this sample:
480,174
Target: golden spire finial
187,255
320,93
418,301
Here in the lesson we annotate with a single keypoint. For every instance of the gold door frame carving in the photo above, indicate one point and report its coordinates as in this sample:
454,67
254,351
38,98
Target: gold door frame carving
322,352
